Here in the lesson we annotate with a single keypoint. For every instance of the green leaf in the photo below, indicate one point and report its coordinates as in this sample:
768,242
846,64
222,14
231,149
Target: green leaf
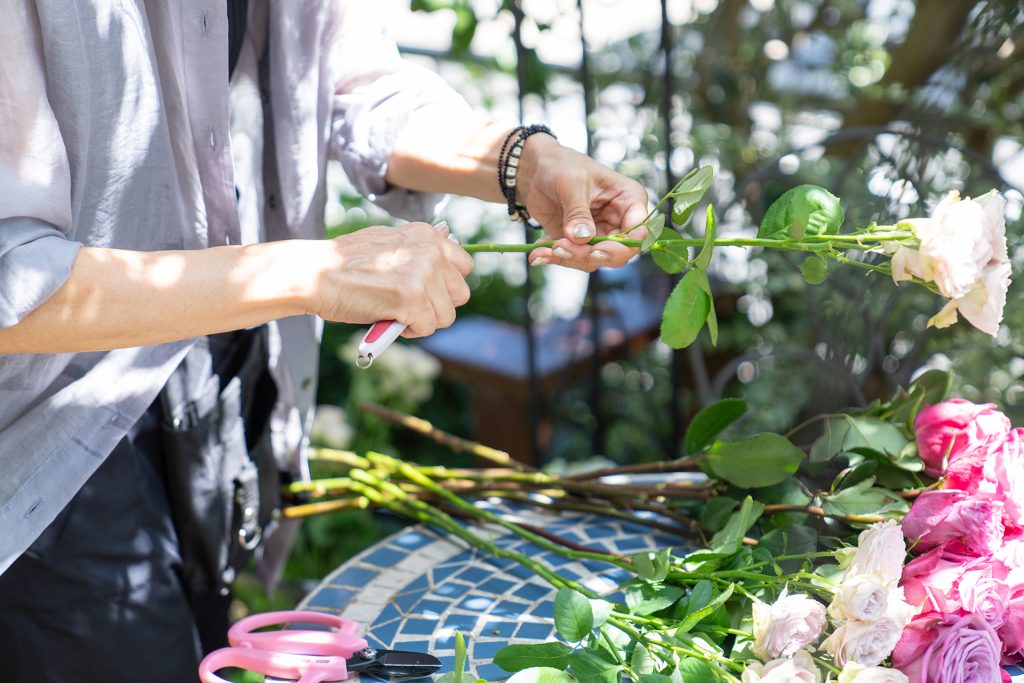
655,227
697,616
652,565
703,259
756,461
450,677
460,655
514,658
642,661
791,539
590,668
689,191
716,512
730,538
651,598
574,618
693,669
601,609
709,423
700,595
803,210
847,433
863,499
814,269
712,320
686,310
661,678
540,674
464,29
671,254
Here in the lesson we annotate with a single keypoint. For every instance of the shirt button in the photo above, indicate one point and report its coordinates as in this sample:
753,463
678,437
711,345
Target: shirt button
205,22
213,139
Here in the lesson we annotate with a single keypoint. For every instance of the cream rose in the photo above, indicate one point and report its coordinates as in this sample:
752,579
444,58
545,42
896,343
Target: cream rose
858,673
789,624
800,668
861,597
864,642
880,552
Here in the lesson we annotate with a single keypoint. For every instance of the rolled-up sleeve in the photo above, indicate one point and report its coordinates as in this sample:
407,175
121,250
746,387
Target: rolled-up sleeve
35,186
376,91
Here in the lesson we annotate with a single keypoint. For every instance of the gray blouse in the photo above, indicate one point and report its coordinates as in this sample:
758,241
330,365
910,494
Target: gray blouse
117,129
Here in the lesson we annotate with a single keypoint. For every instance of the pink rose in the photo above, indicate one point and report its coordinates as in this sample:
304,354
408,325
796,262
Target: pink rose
949,648
1004,468
984,591
789,624
944,515
950,428
929,581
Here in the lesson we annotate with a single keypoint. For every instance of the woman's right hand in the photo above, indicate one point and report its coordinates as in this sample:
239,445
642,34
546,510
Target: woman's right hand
412,273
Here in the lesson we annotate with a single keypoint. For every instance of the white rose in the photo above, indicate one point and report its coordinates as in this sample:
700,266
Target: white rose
963,251
800,668
864,642
331,427
880,552
857,673
860,597
789,624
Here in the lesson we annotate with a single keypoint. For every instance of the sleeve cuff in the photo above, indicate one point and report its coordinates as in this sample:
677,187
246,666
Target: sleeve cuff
35,261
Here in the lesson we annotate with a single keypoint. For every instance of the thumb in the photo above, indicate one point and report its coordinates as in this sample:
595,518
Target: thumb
578,224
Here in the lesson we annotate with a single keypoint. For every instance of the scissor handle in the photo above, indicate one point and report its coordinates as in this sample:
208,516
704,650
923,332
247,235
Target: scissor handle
306,669
342,642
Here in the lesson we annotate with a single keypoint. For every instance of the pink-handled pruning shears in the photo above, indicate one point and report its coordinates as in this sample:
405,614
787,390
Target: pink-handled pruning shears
383,333
309,656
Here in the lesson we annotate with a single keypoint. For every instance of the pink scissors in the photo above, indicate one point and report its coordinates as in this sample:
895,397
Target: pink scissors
306,655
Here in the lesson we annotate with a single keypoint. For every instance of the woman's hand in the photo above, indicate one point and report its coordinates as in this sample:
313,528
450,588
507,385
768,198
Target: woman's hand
412,274
576,198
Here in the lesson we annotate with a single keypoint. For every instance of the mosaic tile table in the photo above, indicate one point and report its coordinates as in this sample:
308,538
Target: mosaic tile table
413,590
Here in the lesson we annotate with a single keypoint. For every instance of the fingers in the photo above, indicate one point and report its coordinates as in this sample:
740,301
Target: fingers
574,192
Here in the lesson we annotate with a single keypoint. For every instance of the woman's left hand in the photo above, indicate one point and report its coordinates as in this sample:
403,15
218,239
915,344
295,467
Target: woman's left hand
576,198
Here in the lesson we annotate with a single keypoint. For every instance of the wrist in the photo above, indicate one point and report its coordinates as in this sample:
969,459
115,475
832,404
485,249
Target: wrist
535,149
287,275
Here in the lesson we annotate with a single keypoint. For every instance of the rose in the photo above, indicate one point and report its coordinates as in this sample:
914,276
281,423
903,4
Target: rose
984,591
857,673
954,427
943,515
799,668
930,580
1004,470
963,251
880,552
789,624
861,597
865,642
949,648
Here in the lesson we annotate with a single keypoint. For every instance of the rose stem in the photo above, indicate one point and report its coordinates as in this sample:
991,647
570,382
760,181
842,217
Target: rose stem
679,465
456,443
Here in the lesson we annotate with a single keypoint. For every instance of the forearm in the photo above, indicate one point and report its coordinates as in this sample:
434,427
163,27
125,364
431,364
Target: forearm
116,298
451,151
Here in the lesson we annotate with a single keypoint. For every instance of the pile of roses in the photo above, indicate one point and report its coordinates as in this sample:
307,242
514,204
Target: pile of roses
967,578
868,614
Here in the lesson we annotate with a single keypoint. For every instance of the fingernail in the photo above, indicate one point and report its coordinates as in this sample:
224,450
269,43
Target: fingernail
561,252
583,231
539,261
598,255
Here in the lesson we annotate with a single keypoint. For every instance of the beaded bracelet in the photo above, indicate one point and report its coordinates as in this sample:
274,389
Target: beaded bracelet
508,167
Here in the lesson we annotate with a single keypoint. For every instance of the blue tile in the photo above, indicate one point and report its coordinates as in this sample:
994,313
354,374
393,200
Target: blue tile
451,588
444,642
491,672
422,583
417,646
387,632
387,614
476,602
598,531
406,601
545,609
413,540
419,627
572,576
573,537
356,577
374,641
632,544
475,575
520,572
385,558
432,608
595,566
496,586
447,664
534,631
555,560
503,629
510,608
487,650
532,591
618,575
462,622
332,597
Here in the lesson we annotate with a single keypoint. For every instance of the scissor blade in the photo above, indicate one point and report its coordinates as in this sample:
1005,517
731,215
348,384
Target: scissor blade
397,663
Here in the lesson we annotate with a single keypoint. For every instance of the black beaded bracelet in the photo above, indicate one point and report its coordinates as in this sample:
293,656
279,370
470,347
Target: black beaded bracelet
508,167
